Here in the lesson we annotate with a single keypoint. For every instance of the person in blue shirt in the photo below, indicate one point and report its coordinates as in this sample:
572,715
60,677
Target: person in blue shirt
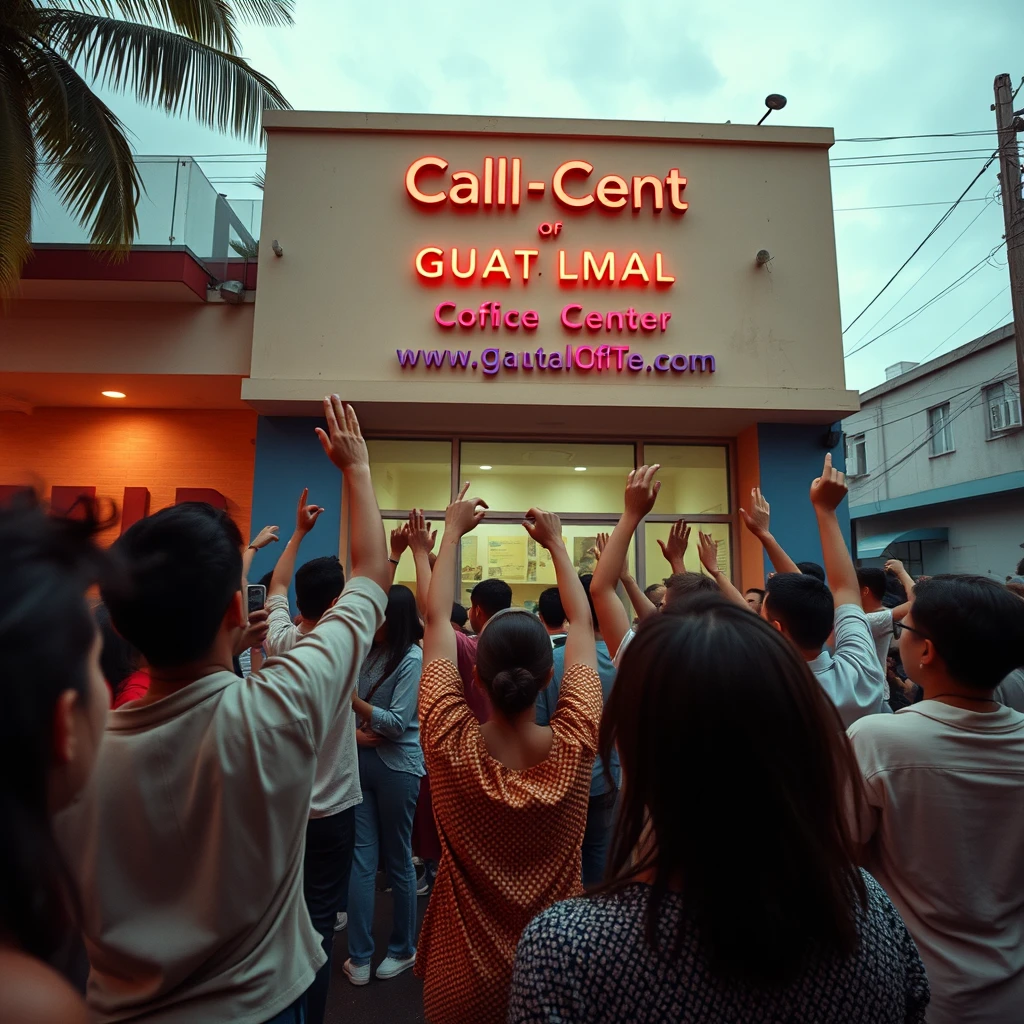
601,810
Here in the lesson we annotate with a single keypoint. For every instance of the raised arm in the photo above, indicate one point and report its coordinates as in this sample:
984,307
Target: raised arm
439,638
707,548
268,535
756,521
895,566
827,491
305,519
674,549
399,544
422,540
641,492
642,604
344,445
546,529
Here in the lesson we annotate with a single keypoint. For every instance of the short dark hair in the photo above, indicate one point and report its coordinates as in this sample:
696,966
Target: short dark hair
812,569
682,585
755,590
719,682
318,584
653,589
1020,567
874,580
514,660
492,596
976,625
183,567
803,605
459,615
549,608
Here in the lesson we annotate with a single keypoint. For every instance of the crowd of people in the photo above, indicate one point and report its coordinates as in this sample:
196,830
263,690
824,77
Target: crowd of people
801,803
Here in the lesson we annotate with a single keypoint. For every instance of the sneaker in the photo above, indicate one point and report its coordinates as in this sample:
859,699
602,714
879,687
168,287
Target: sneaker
392,968
341,922
422,886
358,975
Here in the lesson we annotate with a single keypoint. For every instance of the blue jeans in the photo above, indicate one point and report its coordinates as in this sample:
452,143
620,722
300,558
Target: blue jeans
597,838
325,873
383,825
294,1014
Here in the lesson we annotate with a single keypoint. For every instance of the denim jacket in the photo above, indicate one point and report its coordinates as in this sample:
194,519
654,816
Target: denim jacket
395,715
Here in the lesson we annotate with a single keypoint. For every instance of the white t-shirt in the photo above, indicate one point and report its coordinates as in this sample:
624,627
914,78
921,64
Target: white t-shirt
1011,690
944,830
851,676
623,644
336,787
187,842
880,623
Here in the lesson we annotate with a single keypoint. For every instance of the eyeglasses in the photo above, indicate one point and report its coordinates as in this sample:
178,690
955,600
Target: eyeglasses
898,627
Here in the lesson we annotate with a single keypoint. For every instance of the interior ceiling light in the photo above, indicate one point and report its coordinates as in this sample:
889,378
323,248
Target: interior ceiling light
113,394
580,469
486,467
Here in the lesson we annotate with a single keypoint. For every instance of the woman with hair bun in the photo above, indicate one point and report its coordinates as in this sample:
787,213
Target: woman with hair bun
510,796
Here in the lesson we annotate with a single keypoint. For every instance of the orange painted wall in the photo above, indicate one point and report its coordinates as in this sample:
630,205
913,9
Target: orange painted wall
114,449
748,476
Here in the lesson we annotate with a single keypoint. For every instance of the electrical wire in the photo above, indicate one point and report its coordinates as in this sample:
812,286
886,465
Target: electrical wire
942,220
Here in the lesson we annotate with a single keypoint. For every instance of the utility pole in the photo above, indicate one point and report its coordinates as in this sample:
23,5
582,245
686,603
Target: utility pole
1008,124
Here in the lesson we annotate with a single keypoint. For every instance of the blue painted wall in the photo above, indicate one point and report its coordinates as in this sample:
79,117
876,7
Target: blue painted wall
288,458
791,456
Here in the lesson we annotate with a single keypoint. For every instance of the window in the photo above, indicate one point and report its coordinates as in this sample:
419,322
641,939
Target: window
856,456
1002,407
940,426
411,474
658,568
694,478
910,553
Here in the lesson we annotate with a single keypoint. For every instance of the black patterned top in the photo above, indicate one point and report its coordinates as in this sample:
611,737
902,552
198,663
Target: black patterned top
587,961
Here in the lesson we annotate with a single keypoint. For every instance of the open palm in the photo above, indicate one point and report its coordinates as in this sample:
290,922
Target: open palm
180,55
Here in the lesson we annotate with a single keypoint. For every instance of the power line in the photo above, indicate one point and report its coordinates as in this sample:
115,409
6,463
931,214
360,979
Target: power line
942,220
965,323
934,135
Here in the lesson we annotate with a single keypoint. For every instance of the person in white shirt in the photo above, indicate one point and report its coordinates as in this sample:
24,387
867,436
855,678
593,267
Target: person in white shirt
330,834
872,593
943,819
188,843
805,610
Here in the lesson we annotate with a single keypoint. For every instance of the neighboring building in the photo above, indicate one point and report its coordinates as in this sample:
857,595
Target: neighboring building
538,305
935,459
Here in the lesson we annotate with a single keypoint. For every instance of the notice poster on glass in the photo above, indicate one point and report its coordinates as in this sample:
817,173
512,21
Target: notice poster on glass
472,569
507,558
583,557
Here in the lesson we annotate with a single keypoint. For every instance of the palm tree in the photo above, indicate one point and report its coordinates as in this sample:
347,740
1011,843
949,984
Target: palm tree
180,55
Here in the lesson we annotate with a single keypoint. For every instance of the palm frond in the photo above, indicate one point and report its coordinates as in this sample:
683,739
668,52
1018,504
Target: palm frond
182,76
17,169
259,179
248,250
205,21
93,170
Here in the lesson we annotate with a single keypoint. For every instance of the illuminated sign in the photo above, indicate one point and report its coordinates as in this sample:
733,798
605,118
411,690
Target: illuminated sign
501,183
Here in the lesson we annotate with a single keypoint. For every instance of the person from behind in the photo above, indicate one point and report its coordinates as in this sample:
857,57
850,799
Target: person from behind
655,593
552,615
459,617
390,769
605,776
331,832
510,796
187,844
757,914
754,596
53,706
942,827
805,611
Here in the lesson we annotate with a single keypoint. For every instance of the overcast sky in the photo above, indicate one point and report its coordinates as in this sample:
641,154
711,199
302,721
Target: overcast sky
866,69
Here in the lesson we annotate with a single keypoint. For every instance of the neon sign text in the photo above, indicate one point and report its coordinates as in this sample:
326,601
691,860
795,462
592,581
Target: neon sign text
501,185
490,315
432,261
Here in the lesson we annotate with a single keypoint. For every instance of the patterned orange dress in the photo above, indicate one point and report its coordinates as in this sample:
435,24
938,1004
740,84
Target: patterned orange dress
511,841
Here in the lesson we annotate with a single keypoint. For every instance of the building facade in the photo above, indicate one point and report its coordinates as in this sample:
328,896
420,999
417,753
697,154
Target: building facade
537,306
935,458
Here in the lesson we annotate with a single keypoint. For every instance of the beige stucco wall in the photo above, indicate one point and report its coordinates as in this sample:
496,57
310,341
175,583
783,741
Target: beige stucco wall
331,312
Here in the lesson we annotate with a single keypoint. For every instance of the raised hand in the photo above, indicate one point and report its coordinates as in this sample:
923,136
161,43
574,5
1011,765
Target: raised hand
342,441
545,528
463,514
829,489
598,550
707,549
255,631
642,491
758,518
306,515
421,537
894,565
399,541
268,535
674,549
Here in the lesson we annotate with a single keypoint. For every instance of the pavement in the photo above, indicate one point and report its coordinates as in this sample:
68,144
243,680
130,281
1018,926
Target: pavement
398,1000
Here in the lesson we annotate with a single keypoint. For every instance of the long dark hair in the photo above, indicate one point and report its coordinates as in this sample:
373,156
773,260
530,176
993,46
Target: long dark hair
402,629
735,768
46,634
